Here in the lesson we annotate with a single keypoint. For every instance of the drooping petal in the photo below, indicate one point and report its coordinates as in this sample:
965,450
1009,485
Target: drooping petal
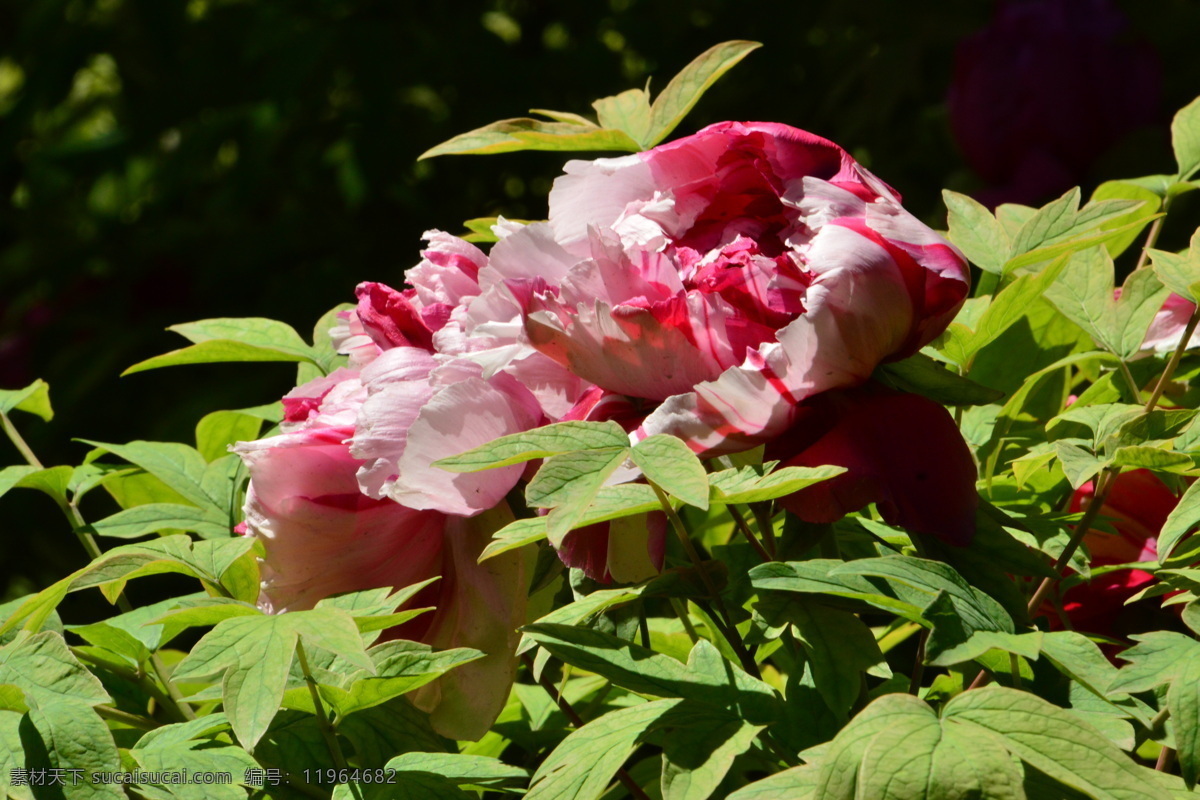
320,534
480,606
901,452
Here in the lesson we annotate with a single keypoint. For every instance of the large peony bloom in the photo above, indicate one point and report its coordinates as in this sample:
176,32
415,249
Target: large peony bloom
322,536
723,278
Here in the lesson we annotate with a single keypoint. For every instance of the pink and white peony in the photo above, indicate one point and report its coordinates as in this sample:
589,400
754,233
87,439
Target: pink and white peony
721,279
322,536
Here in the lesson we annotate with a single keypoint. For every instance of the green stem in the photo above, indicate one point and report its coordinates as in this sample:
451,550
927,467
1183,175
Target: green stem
1014,666
326,726
1152,236
1165,378
79,528
1133,387
685,619
725,620
914,684
132,720
742,526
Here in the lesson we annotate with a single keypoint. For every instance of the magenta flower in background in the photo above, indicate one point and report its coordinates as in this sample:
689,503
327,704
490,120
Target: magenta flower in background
1044,90
1168,325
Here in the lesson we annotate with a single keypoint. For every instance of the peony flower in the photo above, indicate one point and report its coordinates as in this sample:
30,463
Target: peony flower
901,451
1168,325
711,287
721,279
322,536
1137,507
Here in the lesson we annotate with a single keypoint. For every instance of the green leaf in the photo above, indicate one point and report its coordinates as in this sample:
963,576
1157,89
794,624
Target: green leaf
199,756
1062,220
976,232
550,440
1053,740
400,667
837,644
1156,458
817,576
141,520
52,481
433,776
1183,699
671,464
1078,464
699,749
583,765
1179,271
797,783
1156,659
1185,139
75,738
977,610
511,135
12,476
33,399
687,87
1080,659
921,375
897,749
746,485
707,677
1138,218
180,467
254,653
567,484
12,756
1007,307
43,667
223,340
628,112
1179,523
216,431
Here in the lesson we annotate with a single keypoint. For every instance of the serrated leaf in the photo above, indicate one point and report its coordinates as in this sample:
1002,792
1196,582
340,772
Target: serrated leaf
1052,740
549,440
1155,458
33,399
254,653
583,765
180,467
1185,139
671,464
1078,464
628,112
976,232
921,375
690,84
1156,659
567,484
1008,306
511,135
400,667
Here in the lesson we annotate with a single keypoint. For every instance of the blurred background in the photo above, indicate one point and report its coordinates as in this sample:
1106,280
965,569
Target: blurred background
169,160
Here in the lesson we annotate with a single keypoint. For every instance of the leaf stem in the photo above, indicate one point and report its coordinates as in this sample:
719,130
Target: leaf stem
132,720
725,620
544,681
914,684
685,619
1166,759
1165,378
1152,237
1133,387
742,526
79,527
327,730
